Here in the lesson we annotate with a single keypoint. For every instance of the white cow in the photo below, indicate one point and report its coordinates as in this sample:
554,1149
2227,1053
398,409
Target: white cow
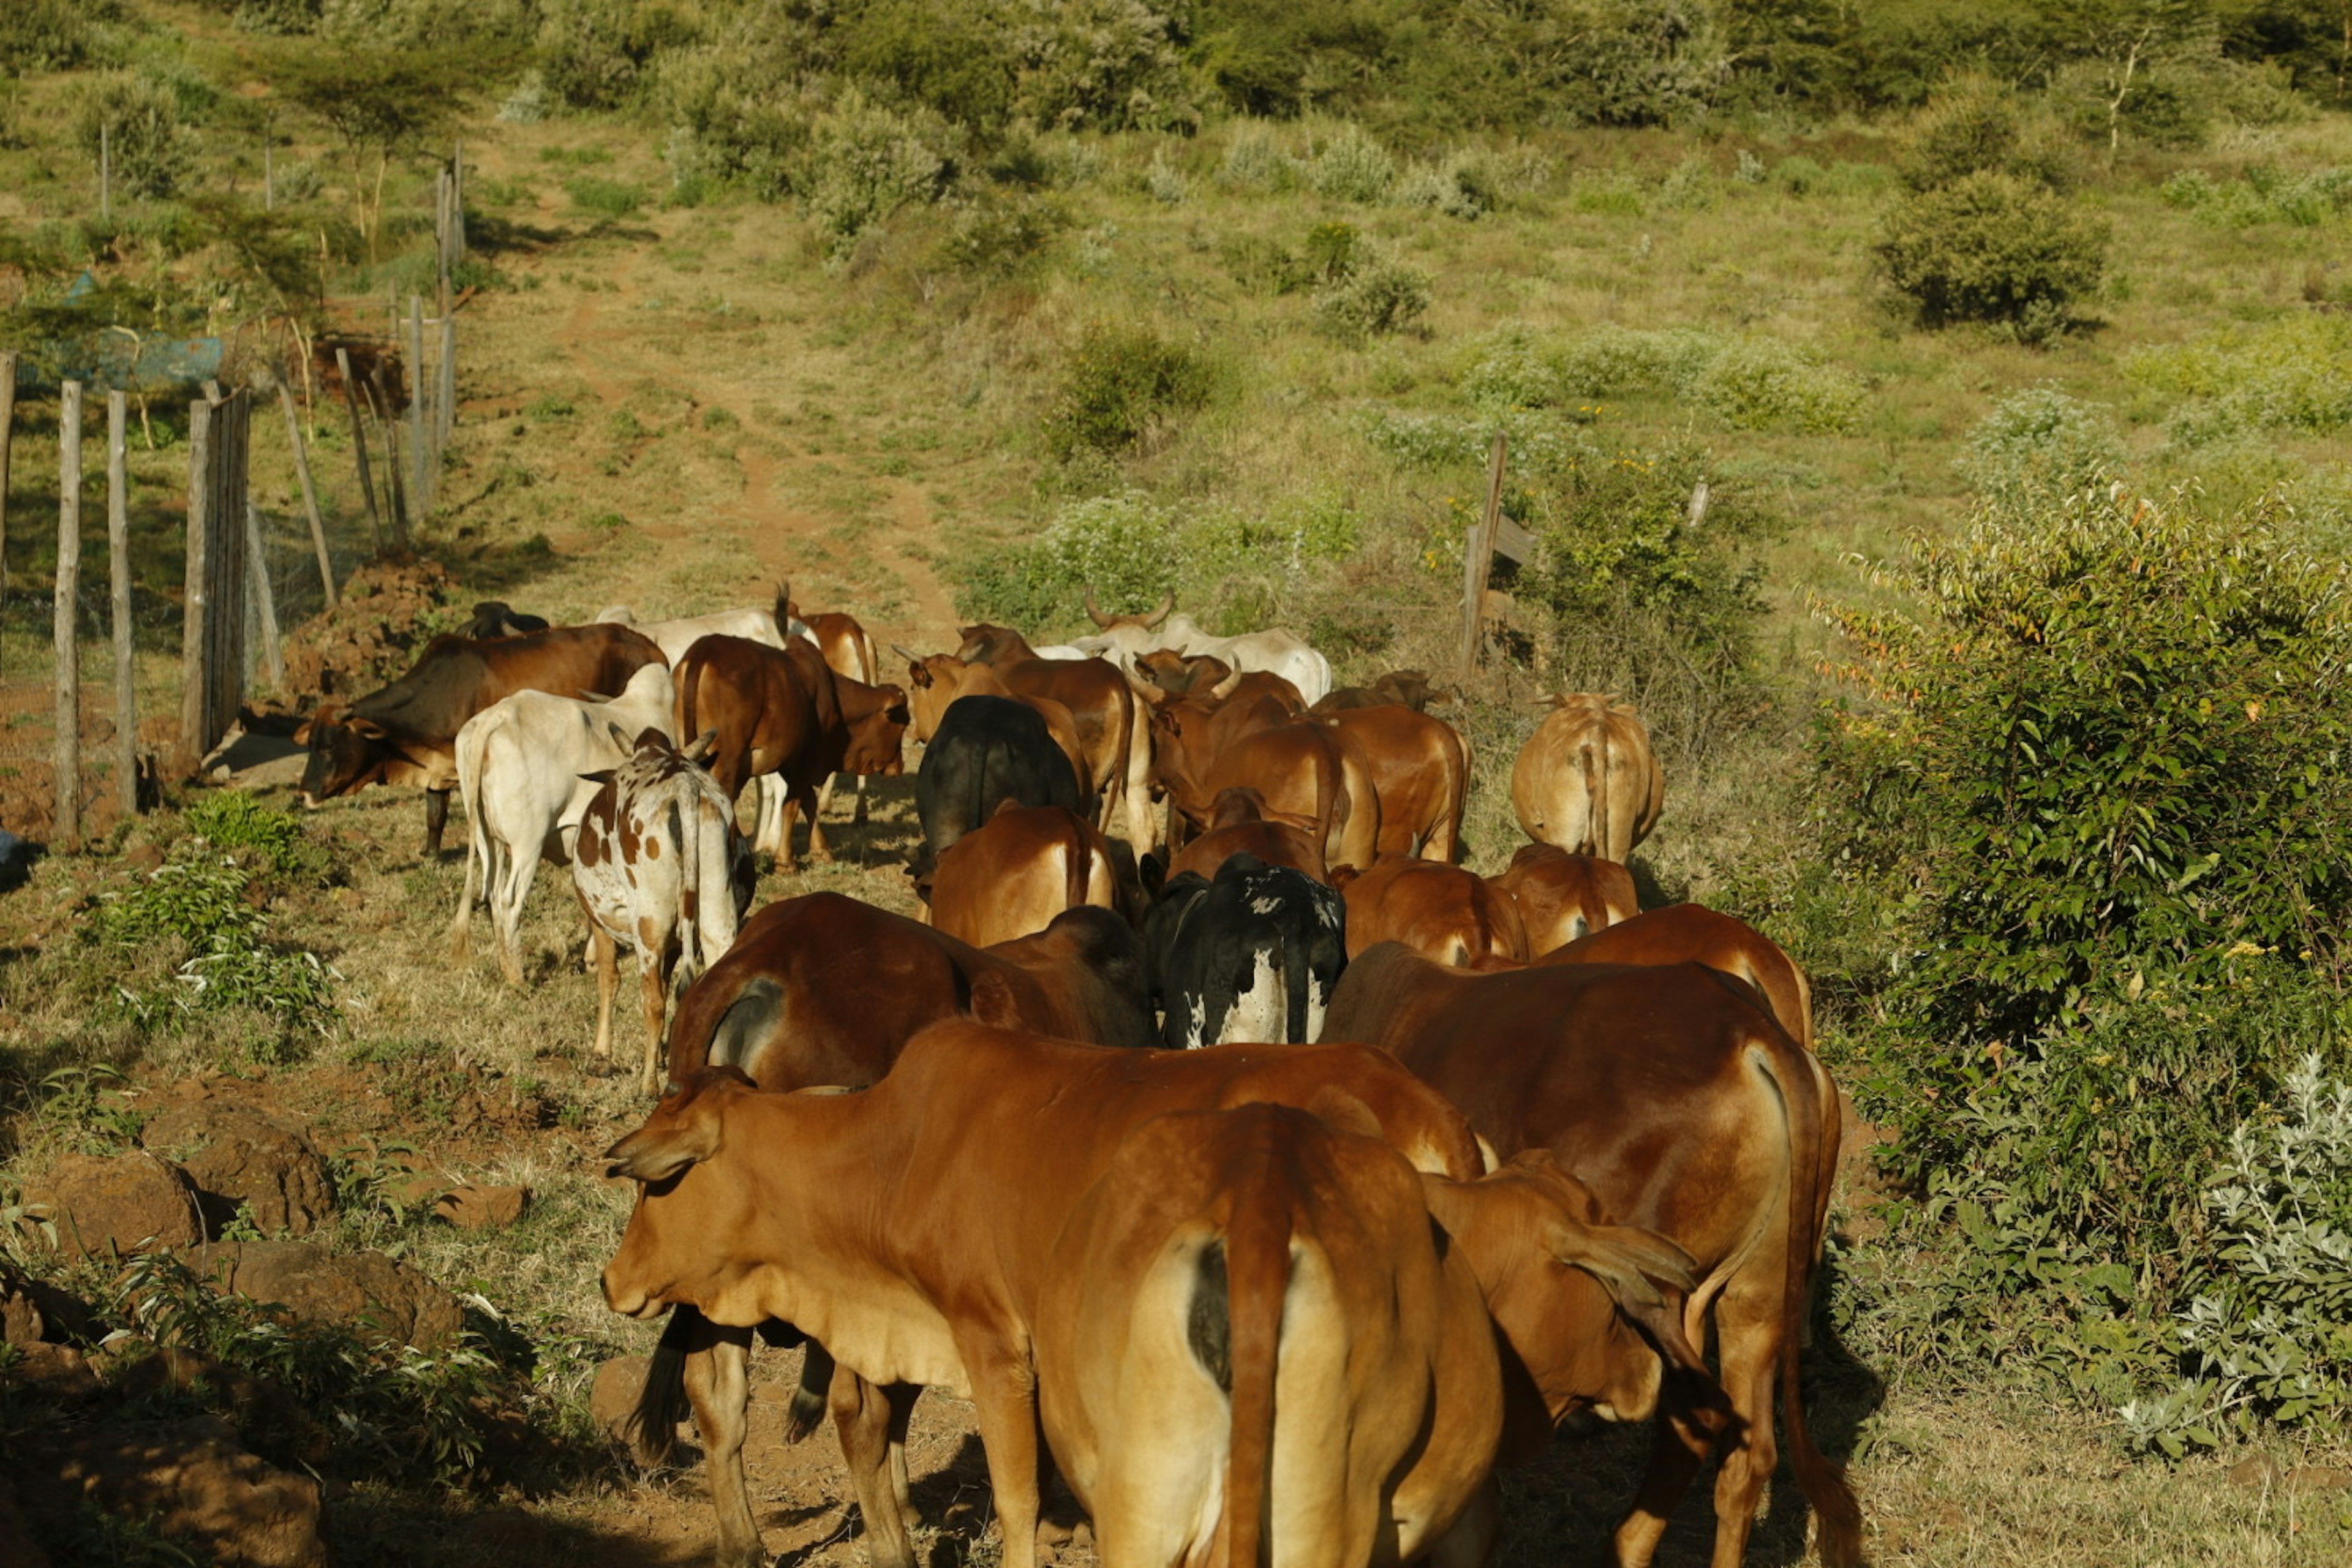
660,868
754,622
1283,653
520,762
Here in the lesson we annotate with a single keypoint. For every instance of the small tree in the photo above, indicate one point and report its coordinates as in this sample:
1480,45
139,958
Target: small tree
1991,247
381,104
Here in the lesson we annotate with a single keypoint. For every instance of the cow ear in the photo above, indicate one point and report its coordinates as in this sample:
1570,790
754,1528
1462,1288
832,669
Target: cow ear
366,728
666,1144
600,778
992,1003
302,732
1340,876
621,738
1647,1276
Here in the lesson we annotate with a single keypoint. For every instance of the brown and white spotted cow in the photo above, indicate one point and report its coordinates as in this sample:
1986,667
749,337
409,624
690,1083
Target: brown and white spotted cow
659,868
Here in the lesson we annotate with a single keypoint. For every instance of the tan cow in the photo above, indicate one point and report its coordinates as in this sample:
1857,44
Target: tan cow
1443,912
848,651
1017,871
1693,933
1421,771
1562,897
910,1228
1240,823
1586,779
1253,1346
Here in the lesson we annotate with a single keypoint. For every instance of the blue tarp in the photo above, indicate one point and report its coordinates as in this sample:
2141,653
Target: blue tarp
119,357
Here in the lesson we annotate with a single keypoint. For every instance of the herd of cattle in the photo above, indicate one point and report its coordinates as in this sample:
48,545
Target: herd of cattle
1439,1161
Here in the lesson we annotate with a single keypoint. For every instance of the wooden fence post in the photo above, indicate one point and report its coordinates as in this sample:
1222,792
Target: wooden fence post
1478,556
196,617
105,172
67,818
8,445
117,560
445,403
213,647
264,598
381,395
310,495
420,478
359,446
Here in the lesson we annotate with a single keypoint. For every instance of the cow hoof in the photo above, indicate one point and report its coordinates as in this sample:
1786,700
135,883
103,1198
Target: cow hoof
599,1066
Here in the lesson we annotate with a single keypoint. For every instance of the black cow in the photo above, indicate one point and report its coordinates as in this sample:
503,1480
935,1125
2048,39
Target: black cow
986,751
497,618
408,732
1252,956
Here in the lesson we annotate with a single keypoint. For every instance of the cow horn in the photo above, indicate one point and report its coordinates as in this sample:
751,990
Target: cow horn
704,744
1167,606
1095,615
1225,689
903,652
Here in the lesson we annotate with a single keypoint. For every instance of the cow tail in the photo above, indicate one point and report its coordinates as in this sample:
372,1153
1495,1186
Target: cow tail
1254,1267
1078,867
650,1429
690,679
1808,1109
1596,790
1298,974
470,798
686,814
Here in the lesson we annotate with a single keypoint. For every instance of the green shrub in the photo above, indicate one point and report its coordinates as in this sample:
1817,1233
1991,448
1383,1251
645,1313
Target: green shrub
1124,381
1991,248
1761,385
730,122
2036,449
1512,371
594,54
1374,294
2267,1334
1351,166
47,35
2294,374
1254,161
1975,129
1002,236
611,199
139,117
192,913
864,162
1458,185
235,820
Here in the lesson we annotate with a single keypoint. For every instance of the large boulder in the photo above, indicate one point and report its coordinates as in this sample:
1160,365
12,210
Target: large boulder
191,1482
379,1297
236,1155
129,1203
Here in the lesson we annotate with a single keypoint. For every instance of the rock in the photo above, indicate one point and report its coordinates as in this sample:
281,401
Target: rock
57,1374
17,1545
265,1413
191,1482
143,856
128,1202
482,1208
2318,1478
613,1398
377,1296
2257,1471
236,1155
21,1322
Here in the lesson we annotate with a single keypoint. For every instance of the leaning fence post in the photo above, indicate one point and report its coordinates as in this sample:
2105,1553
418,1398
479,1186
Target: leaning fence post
195,624
444,402
381,395
1478,556
310,496
273,657
359,445
67,818
117,560
420,479
7,444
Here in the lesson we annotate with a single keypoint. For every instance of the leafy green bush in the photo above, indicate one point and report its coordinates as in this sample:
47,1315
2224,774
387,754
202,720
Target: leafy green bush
1975,129
1124,380
1751,384
47,35
2036,449
865,163
611,199
2267,1334
731,125
2294,374
2263,194
139,118
1375,294
1459,186
1254,161
1991,248
1351,166
1000,235
234,820
594,54
1762,384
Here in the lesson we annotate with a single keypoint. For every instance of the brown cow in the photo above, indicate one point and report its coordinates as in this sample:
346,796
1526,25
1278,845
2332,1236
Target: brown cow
910,1228
784,712
1693,933
408,732
1405,687
1587,779
934,681
1443,912
1170,675
1562,897
1252,1344
847,651
1117,746
1690,1113
1303,768
1240,823
1020,868
1421,771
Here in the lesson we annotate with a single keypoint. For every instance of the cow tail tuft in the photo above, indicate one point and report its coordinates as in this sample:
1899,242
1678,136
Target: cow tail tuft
1256,1256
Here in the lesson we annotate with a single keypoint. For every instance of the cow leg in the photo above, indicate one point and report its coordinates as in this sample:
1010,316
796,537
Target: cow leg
817,850
1749,1351
1470,1543
1004,1396
871,1423
858,817
522,866
717,1383
605,954
1686,1434
652,987
437,817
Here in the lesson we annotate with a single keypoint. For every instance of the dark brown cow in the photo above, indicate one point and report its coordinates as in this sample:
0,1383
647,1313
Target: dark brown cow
848,651
1693,933
1117,748
1562,897
1405,688
1240,824
408,732
784,712
1018,870
910,1228
1255,1281
1421,771
1172,675
1690,1113
935,680
1440,911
